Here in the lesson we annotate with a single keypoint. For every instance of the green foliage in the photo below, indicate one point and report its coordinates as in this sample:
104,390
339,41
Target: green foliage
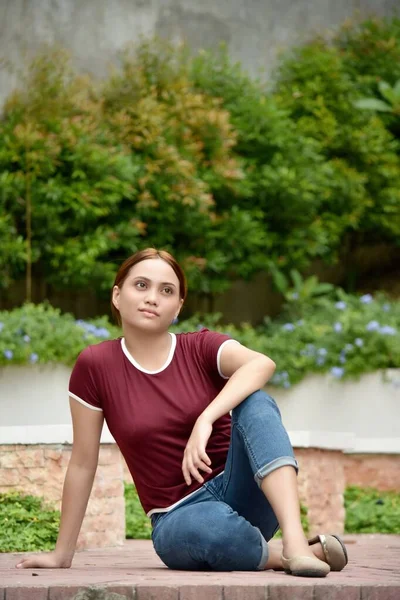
27,524
371,511
285,171
192,154
138,525
116,167
343,335
41,334
302,291
391,103
360,201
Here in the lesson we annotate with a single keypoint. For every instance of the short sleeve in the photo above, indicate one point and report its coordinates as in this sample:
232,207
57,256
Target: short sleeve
211,344
82,385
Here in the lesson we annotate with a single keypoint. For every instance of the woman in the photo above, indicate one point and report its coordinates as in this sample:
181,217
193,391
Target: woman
216,487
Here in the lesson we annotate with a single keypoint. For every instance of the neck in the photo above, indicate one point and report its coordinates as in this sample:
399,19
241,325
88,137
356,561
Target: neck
143,345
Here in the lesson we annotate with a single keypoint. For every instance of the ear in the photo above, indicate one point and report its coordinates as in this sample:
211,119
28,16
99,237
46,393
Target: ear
180,308
115,296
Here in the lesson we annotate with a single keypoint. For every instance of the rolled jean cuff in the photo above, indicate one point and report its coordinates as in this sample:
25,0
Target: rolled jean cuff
264,553
282,461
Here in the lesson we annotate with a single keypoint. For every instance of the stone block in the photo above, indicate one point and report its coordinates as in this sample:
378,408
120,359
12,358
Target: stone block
9,478
200,592
156,592
245,592
380,592
291,592
26,593
337,592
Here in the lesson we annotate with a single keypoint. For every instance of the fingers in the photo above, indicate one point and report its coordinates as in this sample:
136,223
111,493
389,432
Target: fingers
191,465
27,563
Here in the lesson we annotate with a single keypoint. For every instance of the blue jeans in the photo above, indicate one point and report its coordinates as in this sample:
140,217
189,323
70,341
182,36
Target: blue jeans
226,524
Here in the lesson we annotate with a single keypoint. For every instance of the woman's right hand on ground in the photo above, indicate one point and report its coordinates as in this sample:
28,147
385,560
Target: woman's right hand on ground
50,560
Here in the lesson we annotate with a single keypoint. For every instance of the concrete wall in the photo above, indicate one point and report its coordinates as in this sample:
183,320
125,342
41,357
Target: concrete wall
319,412
255,31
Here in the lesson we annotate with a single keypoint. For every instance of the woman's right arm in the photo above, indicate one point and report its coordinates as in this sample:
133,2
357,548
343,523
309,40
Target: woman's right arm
87,426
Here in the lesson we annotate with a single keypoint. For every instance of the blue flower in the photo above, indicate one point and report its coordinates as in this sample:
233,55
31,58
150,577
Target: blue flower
359,342
33,357
87,326
286,384
1,326
342,358
366,299
288,327
337,372
348,347
341,305
385,307
320,361
101,332
295,296
282,377
373,326
387,330
308,351
27,339
322,351
8,354
301,322
338,327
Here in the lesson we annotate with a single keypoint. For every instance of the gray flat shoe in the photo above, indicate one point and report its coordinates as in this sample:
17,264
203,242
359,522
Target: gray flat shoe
334,550
305,566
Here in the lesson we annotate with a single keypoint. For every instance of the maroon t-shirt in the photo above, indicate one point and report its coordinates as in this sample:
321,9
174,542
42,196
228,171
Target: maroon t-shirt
151,414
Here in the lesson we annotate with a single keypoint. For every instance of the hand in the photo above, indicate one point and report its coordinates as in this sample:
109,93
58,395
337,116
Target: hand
45,561
195,456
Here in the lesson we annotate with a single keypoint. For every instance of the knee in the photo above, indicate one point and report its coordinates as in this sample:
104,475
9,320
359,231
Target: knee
257,403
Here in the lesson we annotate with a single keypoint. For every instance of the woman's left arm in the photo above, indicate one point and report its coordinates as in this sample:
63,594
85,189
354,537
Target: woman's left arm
248,371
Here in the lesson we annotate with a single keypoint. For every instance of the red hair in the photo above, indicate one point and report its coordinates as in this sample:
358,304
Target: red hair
140,256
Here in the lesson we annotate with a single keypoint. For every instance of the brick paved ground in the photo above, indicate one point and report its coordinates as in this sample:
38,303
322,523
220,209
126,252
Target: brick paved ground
133,572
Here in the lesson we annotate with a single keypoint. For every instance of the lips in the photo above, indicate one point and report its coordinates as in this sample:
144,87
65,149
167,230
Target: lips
149,312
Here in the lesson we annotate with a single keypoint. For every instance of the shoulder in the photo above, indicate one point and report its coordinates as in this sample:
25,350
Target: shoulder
203,339
196,337
95,353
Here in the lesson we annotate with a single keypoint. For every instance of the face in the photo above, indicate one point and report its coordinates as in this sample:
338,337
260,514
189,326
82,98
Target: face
149,297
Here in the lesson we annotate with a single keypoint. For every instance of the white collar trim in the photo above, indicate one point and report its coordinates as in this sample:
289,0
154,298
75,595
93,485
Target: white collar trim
139,367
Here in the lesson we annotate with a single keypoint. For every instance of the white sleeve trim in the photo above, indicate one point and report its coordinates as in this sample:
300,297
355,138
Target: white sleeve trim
84,403
219,356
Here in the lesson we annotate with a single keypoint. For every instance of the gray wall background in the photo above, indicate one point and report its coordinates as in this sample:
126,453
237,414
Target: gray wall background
255,31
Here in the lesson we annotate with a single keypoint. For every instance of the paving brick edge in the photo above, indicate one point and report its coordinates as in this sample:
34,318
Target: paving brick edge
148,591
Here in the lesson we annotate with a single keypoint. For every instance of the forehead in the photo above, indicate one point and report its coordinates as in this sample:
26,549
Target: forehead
155,269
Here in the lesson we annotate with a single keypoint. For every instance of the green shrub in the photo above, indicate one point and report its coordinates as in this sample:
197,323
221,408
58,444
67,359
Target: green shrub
194,155
138,525
345,336
361,203
41,334
107,169
372,511
27,524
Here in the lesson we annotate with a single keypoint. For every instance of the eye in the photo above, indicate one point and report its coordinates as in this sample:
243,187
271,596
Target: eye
168,290
140,284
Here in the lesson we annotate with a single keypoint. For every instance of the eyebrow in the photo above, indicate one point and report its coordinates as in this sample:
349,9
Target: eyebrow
150,281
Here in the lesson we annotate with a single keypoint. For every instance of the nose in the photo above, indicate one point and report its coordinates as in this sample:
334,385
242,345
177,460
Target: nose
151,296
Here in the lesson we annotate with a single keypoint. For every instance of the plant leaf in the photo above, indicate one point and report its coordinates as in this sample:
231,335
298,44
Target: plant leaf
373,104
387,91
